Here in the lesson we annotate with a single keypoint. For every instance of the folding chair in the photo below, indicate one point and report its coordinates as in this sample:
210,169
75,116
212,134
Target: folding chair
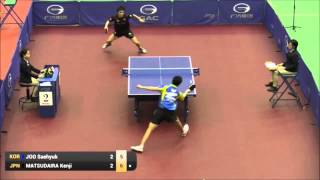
285,86
27,99
9,8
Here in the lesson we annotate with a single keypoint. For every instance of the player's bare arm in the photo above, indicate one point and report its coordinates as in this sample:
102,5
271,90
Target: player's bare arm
186,92
140,19
150,88
106,26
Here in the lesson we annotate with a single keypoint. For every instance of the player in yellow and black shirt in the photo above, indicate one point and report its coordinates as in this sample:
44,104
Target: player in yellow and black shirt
122,28
167,108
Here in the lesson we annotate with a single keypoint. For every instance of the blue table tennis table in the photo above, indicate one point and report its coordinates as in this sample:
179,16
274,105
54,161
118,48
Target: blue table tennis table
158,71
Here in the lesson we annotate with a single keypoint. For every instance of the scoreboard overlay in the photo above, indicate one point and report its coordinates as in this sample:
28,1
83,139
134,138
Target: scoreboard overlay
119,161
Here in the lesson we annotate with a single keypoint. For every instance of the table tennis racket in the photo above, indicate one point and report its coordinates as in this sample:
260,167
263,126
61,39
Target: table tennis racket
192,87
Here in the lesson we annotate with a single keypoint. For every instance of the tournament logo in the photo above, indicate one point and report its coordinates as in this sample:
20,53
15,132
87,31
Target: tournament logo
241,8
55,9
148,9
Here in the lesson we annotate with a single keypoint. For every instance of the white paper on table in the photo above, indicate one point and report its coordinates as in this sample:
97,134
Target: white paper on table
45,83
270,65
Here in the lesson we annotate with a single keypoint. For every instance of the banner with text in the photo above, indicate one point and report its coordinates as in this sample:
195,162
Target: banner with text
241,12
154,12
55,13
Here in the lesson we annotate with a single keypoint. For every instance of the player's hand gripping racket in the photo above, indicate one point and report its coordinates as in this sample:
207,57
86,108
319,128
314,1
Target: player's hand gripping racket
192,87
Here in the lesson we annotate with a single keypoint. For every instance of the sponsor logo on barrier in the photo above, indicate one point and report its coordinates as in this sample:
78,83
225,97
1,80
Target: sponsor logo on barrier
149,12
209,16
9,85
279,42
55,12
55,9
286,41
241,11
20,45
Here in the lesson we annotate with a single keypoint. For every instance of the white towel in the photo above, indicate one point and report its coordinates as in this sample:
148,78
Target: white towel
270,65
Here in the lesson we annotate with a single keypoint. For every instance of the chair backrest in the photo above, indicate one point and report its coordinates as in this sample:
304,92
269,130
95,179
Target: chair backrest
293,75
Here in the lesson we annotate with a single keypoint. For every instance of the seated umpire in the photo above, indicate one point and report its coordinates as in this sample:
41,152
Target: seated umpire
29,74
290,66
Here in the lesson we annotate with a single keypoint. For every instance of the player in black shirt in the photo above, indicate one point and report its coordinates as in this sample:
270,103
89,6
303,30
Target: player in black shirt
290,66
122,28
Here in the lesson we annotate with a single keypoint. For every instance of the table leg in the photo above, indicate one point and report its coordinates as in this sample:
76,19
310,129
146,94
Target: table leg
136,110
186,109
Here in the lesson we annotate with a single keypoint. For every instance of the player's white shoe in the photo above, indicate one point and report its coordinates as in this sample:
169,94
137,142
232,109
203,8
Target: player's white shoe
137,148
142,50
185,130
105,45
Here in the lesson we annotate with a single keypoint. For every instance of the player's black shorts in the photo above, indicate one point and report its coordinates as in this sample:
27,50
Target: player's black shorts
127,34
160,115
